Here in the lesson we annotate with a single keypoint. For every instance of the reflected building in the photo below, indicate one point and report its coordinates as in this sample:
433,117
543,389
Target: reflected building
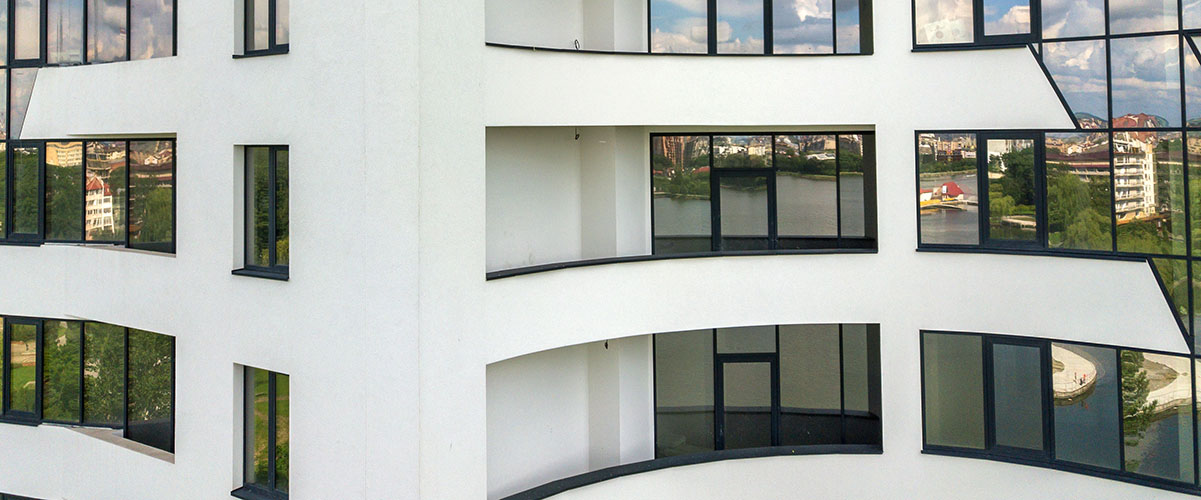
1134,177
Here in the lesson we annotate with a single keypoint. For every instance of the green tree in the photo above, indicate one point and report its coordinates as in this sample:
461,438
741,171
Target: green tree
1137,412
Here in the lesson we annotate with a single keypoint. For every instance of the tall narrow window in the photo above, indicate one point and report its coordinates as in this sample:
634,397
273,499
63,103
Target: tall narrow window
107,31
152,29
27,30
25,199
21,374
266,27
151,380
103,374
105,192
62,344
265,473
267,209
152,195
64,191
64,32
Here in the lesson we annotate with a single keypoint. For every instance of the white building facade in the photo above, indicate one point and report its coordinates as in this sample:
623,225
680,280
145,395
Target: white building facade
594,269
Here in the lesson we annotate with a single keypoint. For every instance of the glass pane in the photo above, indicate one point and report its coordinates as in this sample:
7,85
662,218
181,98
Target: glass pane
281,432
683,393
953,376
151,195
22,89
806,187
804,27
1018,396
103,374
151,389
281,208
258,222
1079,215
861,384
679,27
1066,18
743,212
60,371
947,193
106,30
1085,384
260,19
1192,85
3,189
1192,14
742,151
258,437
747,407
1146,81
752,339
1142,16
680,179
27,29
3,98
1080,71
1006,17
26,170
64,31
943,21
1174,275
1149,197
64,191
22,367
152,29
810,399
105,195
848,26
1011,206
281,25
852,211
740,26
1157,418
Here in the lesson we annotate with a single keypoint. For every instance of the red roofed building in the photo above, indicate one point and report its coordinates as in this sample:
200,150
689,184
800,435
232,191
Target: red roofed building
99,205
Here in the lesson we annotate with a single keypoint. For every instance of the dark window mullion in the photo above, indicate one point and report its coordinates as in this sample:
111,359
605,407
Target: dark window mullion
712,30
271,20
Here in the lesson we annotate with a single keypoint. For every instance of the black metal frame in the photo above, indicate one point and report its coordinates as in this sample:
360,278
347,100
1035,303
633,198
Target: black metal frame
990,407
719,359
1040,188
981,40
273,47
839,242
10,234
273,269
866,42
36,418
252,491
1049,460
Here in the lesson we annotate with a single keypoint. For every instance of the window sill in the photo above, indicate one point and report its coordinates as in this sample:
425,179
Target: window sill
520,271
262,53
250,492
115,436
259,273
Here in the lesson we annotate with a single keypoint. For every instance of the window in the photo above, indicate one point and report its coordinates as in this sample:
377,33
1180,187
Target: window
64,32
964,22
265,447
22,340
267,210
150,411
759,27
266,29
62,396
25,192
1105,411
64,183
152,28
152,195
107,39
763,192
753,387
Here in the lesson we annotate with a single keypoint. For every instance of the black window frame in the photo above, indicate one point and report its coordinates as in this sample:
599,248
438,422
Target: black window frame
10,235
718,359
979,39
837,243
20,416
1049,460
1040,189
253,491
42,374
273,270
866,42
273,47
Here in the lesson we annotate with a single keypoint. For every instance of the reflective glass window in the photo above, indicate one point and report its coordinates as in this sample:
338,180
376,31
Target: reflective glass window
681,200
1173,273
1018,396
744,212
679,27
282,419
1084,382
747,339
105,192
151,195
1142,16
947,194
27,29
1006,17
1012,190
64,31
103,374
258,217
23,80
1080,72
258,12
807,185
282,24
740,26
953,381
683,393
22,368
747,403
807,27
64,191
26,176
943,21
1157,417
281,207
152,29
62,345
1149,196
151,413
107,30
258,430
810,385
1079,214
1069,18
852,196
1146,81
861,384
848,26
